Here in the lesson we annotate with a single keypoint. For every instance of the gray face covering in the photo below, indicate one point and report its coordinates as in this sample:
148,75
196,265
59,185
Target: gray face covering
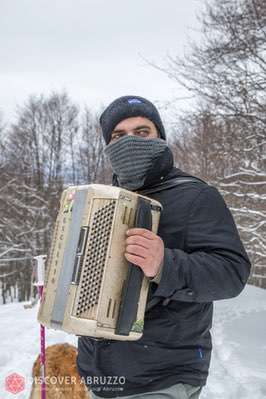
131,158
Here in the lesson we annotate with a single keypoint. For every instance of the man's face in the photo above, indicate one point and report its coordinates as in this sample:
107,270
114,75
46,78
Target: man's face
136,126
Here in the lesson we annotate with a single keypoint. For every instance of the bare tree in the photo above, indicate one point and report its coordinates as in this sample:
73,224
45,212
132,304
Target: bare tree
227,70
46,149
226,73
37,161
93,163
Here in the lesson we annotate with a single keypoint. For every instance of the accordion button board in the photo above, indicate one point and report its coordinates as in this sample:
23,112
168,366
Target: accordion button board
90,288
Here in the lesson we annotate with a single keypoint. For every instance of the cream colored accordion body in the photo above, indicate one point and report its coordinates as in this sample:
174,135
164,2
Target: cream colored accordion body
90,289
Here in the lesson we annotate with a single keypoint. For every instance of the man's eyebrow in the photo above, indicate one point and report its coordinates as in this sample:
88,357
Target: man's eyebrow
136,128
142,127
118,131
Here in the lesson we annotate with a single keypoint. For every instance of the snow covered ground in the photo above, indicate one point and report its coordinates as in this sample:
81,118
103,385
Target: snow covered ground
238,367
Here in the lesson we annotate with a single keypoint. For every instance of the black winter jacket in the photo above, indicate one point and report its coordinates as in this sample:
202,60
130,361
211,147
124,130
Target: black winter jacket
204,261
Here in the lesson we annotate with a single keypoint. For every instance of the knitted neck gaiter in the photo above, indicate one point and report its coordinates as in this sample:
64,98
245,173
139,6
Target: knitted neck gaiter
132,157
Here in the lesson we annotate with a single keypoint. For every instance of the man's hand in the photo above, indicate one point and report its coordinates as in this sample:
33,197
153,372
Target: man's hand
145,249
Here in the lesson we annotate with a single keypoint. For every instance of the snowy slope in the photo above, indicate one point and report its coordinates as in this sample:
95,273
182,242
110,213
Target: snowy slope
238,367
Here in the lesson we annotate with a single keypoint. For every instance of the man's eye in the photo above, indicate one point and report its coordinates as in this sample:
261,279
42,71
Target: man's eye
117,136
143,133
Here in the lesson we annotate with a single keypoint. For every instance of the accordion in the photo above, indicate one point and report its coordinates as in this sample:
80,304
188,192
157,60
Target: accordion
90,289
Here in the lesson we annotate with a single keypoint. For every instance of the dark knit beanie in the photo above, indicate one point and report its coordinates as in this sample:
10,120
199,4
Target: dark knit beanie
128,107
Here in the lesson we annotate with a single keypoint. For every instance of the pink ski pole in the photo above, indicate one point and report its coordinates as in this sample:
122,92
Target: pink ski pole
40,282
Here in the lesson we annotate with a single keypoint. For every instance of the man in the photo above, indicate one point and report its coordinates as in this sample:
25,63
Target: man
196,258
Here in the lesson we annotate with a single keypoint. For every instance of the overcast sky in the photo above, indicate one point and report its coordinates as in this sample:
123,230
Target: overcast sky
91,48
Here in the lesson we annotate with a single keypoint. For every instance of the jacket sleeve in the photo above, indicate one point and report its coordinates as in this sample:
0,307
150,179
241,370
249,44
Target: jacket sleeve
214,264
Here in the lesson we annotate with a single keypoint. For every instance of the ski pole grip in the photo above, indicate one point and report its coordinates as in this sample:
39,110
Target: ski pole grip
40,269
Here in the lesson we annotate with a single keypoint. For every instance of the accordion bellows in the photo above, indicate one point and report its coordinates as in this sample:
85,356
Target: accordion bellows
90,288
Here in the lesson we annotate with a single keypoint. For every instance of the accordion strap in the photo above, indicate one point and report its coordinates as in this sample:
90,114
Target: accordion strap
132,286
170,184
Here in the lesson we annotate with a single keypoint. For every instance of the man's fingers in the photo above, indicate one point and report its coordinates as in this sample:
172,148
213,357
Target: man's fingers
137,250
138,240
136,260
141,232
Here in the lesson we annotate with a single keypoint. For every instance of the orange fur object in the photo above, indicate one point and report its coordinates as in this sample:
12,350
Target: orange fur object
62,378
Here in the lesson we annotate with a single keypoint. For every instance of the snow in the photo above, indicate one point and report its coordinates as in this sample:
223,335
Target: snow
238,366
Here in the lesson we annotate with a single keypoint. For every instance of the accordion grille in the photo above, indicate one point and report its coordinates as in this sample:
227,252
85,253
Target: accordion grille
95,257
